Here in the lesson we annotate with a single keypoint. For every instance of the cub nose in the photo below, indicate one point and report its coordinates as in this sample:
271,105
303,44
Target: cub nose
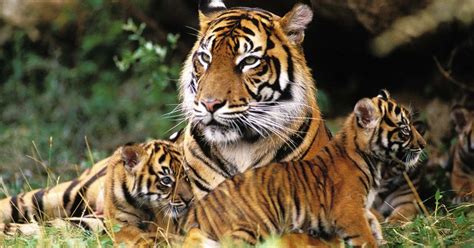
212,105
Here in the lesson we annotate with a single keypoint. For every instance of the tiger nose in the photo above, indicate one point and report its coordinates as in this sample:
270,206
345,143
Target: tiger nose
212,104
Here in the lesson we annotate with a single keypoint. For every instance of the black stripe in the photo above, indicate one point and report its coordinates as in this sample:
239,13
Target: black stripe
77,208
67,193
401,203
348,238
297,138
15,209
312,142
37,200
222,169
326,149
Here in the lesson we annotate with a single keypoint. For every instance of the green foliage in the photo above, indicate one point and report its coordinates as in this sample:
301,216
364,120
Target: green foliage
58,237
56,93
445,227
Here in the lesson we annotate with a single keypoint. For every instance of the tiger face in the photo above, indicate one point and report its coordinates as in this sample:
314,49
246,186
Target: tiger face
246,76
156,178
463,119
391,136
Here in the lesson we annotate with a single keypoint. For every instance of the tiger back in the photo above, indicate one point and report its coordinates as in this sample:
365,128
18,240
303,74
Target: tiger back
248,93
79,197
325,196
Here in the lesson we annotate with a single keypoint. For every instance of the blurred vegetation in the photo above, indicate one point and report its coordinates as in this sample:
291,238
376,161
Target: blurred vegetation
58,90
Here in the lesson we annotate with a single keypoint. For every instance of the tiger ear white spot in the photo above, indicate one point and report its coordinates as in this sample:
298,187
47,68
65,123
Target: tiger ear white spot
366,113
295,22
207,9
384,94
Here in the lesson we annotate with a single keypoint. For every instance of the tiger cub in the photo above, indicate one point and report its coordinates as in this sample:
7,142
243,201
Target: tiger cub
395,201
462,155
82,196
146,191
327,195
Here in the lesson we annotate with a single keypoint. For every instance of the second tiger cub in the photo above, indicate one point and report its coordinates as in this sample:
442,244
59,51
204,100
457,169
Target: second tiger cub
327,195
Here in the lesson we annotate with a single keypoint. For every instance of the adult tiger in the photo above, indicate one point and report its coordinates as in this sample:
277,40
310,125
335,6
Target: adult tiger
248,93
327,195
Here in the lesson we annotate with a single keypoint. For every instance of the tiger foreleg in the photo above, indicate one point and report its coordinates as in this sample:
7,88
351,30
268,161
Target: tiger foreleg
375,227
295,240
353,227
197,239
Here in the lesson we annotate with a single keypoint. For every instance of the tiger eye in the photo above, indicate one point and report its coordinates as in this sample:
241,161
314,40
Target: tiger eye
206,58
250,60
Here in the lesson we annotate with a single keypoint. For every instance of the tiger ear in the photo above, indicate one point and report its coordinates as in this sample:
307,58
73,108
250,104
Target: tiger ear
459,116
208,9
384,94
130,156
366,113
295,22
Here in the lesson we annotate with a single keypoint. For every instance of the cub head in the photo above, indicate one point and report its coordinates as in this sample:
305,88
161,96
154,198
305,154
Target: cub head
386,130
246,76
156,178
463,119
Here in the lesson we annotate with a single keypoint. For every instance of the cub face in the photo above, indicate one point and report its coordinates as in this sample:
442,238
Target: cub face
157,178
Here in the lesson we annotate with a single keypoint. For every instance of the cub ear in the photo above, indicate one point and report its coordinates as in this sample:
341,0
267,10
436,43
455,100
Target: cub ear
131,156
366,113
295,22
208,9
460,117
384,94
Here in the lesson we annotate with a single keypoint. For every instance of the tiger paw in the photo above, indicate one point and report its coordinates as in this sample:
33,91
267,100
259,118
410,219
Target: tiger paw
12,229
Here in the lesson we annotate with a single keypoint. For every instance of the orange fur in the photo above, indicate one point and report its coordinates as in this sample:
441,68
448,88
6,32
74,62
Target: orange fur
327,195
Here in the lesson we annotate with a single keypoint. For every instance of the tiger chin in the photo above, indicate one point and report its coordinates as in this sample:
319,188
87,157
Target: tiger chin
146,192
325,197
248,93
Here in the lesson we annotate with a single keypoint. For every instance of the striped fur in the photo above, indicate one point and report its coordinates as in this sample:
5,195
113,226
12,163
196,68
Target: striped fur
248,94
327,195
395,200
81,196
167,204
462,155
146,191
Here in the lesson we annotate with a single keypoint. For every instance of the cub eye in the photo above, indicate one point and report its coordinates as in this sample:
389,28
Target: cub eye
205,58
166,180
404,132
